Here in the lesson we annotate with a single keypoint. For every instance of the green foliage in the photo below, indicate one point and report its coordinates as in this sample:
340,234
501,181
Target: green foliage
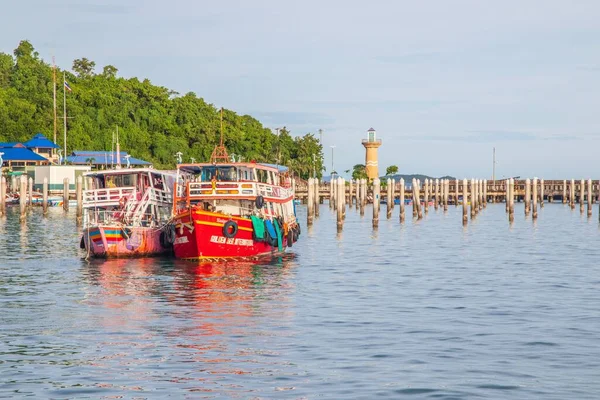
154,122
359,171
391,170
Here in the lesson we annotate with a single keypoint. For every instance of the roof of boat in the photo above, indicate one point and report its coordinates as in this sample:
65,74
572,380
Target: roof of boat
195,168
130,171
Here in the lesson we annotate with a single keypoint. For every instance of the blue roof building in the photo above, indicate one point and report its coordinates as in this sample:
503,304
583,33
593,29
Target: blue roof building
17,156
103,159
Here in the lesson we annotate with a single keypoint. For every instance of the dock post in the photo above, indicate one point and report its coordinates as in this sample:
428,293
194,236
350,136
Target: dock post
393,194
2,196
45,196
456,194
506,193
66,194
316,197
465,201
436,193
481,196
350,187
511,204
414,200
402,206
30,193
418,199
527,196
340,203
446,186
590,193
389,200
485,200
363,196
331,189
564,195
476,196
23,198
310,203
426,196
472,198
542,192
534,198
357,193
13,184
376,201
572,194
581,195
79,196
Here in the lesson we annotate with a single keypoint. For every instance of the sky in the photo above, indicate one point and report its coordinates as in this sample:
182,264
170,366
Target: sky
442,82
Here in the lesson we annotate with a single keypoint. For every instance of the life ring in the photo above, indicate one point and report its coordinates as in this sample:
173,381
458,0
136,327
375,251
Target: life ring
122,202
126,233
259,202
230,229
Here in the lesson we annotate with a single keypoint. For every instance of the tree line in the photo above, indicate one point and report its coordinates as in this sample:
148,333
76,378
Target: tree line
154,122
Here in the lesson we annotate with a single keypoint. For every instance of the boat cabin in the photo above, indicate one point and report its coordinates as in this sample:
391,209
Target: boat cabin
239,189
141,197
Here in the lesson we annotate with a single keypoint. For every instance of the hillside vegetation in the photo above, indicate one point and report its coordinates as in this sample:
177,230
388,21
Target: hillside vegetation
154,122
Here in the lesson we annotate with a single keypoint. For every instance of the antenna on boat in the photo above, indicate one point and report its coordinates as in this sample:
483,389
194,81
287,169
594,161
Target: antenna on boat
220,152
127,156
193,160
118,150
179,158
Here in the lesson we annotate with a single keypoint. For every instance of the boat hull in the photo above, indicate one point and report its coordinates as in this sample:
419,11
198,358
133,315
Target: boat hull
199,235
118,242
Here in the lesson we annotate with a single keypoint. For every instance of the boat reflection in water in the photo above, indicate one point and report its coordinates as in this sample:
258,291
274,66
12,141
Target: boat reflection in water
222,319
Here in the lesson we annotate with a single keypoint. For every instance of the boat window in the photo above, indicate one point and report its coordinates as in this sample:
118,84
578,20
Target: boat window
223,174
124,180
157,181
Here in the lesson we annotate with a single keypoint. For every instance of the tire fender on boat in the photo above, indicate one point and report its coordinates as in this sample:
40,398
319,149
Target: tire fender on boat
167,236
259,202
230,229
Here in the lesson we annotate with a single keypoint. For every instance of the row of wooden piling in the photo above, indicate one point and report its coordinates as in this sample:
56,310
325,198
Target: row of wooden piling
439,192
25,191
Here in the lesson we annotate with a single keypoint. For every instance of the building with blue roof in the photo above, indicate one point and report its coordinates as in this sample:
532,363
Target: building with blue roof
16,156
104,159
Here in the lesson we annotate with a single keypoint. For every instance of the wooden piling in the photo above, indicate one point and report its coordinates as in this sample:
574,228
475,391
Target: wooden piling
465,201
564,195
456,194
542,192
511,201
402,206
393,191
436,194
506,194
446,190
3,192
363,196
485,199
417,191
30,193
389,199
472,198
79,197
350,187
341,186
581,195
414,200
535,198
23,198
310,203
572,194
475,196
590,198
426,196
66,194
13,184
331,189
527,196
376,201
45,196
316,197
358,189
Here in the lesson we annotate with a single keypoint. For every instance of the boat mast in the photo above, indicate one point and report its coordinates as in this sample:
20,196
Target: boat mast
220,152
118,150
65,113
54,94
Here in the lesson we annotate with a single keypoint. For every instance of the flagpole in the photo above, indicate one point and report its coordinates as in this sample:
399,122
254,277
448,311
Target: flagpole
65,114
54,97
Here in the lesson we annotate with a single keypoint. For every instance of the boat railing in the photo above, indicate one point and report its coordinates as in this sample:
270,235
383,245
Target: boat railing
235,189
107,196
99,217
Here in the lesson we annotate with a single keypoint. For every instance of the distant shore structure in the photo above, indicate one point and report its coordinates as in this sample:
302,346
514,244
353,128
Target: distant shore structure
371,144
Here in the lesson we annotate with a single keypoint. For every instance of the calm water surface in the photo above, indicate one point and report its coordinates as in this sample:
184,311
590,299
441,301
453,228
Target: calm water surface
426,310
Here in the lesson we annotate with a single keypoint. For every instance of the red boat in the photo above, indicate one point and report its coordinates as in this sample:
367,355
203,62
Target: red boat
233,210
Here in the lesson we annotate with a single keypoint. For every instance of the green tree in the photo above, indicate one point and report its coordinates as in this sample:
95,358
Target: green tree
359,171
83,67
391,170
